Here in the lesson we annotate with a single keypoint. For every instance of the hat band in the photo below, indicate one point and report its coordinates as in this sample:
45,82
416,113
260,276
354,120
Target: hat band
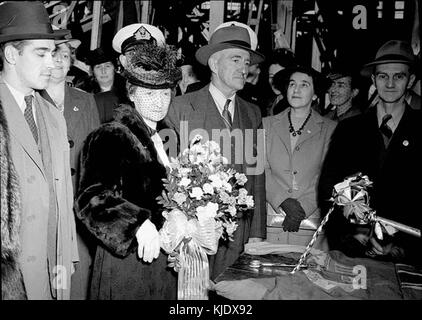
398,57
238,43
36,28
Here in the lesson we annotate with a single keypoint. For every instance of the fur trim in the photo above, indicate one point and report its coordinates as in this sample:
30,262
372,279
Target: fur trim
12,286
121,178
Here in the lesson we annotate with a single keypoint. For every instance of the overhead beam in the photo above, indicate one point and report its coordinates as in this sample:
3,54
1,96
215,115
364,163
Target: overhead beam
97,23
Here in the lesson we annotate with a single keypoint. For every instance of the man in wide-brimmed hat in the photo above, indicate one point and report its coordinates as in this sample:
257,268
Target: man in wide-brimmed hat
383,143
216,107
40,152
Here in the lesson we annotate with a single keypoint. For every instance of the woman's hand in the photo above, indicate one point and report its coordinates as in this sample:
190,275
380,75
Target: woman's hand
148,241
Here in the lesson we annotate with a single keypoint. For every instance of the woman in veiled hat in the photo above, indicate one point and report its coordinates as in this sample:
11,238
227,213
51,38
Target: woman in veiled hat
297,140
123,166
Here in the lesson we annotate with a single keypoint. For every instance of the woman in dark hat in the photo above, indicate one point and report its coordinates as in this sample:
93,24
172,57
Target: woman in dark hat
123,166
296,143
107,85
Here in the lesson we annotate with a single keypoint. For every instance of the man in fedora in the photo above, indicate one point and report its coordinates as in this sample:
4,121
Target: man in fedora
216,112
39,149
342,92
384,144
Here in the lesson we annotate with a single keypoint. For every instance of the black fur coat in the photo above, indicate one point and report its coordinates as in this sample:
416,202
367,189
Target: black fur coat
12,286
121,178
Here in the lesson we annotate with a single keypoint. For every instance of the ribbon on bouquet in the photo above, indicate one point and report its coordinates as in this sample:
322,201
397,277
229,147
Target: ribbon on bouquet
352,194
189,242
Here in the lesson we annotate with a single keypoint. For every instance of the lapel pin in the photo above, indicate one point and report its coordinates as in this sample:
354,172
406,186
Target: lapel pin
405,143
75,108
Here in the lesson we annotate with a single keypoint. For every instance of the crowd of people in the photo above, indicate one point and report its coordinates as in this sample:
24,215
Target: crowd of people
82,160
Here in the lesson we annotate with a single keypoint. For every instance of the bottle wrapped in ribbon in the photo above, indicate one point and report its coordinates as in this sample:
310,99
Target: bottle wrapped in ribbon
352,194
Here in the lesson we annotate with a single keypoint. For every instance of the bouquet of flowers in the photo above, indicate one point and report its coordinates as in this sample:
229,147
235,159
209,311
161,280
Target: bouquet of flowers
204,196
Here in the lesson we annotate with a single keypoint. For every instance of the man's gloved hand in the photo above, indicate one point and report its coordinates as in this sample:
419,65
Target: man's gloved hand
294,214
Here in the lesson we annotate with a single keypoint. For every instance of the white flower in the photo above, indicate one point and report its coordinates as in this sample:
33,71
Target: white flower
249,201
196,139
215,181
241,178
209,211
243,193
230,227
227,186
196,193
208,188
180,198
232,210
183,172
184,182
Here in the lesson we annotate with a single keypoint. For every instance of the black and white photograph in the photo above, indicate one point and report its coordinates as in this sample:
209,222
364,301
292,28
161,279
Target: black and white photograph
211,155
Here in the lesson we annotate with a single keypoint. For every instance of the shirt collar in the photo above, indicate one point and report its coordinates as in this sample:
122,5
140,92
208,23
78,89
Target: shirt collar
19,96
396,116
220,99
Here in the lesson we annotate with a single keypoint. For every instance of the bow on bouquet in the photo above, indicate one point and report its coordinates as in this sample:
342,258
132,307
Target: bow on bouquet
204,196
352,194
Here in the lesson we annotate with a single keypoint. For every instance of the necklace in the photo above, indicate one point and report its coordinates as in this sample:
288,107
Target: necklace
299,131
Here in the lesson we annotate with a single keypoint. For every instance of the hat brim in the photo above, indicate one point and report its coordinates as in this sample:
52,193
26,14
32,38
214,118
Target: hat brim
368,68
205,52
55,35
74,43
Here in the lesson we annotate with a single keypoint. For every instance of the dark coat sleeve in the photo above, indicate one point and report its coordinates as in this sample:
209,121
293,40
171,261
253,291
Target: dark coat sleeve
259,220
112,203
110,218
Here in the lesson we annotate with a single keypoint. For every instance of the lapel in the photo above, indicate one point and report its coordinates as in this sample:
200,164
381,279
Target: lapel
205,114
242,118
403,136
281,128
312,128
18,127
72,106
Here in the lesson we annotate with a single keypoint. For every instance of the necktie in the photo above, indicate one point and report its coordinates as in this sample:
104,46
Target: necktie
29,116
226,114
385,129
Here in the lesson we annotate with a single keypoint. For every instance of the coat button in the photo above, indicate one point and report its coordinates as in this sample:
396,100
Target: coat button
72,171
71,143
290,191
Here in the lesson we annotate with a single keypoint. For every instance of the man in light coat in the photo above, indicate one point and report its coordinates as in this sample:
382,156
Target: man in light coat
39,150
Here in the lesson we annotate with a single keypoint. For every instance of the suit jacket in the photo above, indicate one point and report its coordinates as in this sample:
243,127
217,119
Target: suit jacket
81,114
199,114
302,165
35,196
357,146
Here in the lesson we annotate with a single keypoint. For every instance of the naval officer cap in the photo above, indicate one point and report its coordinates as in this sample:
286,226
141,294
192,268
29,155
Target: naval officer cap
137,33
